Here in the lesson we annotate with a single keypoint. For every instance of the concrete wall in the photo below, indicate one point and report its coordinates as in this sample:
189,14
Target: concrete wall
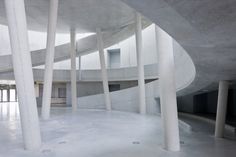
126,100
56,100
93,88
124,74
83,89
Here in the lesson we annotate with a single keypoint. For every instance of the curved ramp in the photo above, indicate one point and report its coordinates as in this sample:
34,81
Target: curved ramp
126,99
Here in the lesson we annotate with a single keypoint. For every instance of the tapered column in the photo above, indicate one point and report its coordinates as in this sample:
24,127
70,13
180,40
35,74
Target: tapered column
139,49
167,90
80,72
50,49
36,89
1,95
22,65
8,94
73,70
15,95
221,109
103,68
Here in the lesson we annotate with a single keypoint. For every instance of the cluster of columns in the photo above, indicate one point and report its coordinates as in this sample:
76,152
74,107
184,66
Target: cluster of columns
22,65
24,76
50,49
8,96
167,84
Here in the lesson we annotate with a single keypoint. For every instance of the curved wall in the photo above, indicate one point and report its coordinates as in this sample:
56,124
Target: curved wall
127,48
126,100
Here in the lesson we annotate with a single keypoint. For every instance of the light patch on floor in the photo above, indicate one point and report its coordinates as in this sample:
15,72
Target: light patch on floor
96,133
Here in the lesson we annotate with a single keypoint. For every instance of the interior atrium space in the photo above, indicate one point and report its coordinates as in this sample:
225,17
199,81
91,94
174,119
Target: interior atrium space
117,78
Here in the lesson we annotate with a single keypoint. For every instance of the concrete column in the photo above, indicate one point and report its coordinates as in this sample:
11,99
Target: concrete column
73,70
16,94
68,94
22,66
103,68
36,88
221,109
167,90
8,94
80,72
1,95
139,49
48,74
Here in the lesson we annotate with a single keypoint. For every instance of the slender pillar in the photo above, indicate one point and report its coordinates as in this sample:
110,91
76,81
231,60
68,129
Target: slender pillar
221,109
103,68
80,72
68,94
22,65
167,90
139,49
48,74
15,94
73,70
1,96
36,88
8,94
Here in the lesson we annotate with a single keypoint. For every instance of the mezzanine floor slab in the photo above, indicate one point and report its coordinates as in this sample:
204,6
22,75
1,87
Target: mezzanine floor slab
96,133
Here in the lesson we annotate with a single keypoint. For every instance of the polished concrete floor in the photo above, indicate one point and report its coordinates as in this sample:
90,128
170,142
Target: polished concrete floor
95,133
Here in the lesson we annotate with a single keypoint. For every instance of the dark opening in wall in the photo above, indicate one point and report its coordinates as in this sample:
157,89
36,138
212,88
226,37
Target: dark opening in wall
114,87
205,104
61,92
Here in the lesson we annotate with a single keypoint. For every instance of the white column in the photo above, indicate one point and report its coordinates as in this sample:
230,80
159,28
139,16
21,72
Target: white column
50,49
167,90
139,49
73,70
22,65
68,94
103,68
80,72
221,109
36,89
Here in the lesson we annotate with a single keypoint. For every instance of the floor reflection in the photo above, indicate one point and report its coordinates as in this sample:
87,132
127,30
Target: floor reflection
9,111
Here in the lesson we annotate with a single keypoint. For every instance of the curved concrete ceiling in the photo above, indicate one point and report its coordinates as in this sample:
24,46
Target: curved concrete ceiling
84,15
203,28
